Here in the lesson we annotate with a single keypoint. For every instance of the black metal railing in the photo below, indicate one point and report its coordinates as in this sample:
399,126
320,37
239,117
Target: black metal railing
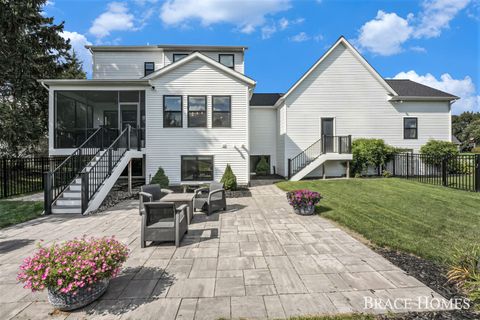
57,180
93,177
327,144
458,171
24,175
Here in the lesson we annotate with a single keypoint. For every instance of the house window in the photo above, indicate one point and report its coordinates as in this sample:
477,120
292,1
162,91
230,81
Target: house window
228,60
197,111
172,111
179,56
197,168
221,111
410,128
149,67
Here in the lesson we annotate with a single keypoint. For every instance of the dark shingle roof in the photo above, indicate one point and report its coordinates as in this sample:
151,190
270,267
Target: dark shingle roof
409,88
265,99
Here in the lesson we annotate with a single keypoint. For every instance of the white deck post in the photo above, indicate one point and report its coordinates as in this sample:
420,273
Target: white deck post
130,176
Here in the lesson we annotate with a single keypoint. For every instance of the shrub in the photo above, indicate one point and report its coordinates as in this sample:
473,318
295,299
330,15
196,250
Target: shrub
229,179
465,272
160,178
437,150
302,198
387,174
476,150
262,167
370,152
75,264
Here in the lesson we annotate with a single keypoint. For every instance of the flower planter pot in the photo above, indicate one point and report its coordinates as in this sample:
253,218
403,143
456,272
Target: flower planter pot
305,211
84,296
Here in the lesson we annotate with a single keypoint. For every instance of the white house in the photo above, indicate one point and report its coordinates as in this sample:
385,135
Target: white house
191,110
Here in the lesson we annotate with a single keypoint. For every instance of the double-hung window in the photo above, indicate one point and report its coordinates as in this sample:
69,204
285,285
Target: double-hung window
172,111
197,111
179,56
410,128
197,168
149,67
228,60
221,111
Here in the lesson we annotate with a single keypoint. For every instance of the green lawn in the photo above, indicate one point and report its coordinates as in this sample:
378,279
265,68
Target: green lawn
13,212
425,220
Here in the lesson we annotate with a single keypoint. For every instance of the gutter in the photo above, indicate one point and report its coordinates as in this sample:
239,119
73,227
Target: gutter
423,98
44,85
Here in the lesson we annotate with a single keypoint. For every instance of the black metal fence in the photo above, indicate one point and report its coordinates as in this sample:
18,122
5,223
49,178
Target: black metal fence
24,175
459,172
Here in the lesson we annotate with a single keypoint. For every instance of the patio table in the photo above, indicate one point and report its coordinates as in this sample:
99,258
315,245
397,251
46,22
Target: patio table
179,199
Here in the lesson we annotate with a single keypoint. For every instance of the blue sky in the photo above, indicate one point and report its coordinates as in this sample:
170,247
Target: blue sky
435,42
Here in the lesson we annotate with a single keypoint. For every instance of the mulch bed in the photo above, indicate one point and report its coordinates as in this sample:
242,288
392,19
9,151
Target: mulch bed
432,275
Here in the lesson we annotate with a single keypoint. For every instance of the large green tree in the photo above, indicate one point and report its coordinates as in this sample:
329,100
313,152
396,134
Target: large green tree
460,124
31,48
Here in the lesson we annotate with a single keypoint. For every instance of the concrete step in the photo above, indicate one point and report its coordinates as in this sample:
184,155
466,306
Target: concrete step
72,194
66,209
68,202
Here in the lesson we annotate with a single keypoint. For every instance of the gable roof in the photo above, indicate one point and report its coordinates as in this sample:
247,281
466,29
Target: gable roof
204,58
340,41
265,99
410,89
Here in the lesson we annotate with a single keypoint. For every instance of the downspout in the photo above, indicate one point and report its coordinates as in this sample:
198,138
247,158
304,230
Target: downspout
44,85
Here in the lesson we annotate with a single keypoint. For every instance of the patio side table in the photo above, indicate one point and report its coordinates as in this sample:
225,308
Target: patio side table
179,199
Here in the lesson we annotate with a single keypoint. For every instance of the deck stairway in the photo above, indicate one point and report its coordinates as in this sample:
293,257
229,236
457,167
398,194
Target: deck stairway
82,181
324,149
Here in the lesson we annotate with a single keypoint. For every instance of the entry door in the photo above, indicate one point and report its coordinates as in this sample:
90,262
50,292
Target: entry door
327,134
129,115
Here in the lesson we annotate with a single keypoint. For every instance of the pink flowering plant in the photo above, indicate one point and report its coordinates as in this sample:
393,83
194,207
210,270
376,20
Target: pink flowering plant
73,265
303,198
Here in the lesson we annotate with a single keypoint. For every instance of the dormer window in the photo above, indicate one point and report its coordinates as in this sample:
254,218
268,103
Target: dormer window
179,56
228,60
149,67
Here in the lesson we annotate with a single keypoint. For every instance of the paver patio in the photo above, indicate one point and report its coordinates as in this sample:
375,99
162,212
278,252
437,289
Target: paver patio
257,260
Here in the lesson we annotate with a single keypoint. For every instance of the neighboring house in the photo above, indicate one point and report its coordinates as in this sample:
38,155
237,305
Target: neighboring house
193,111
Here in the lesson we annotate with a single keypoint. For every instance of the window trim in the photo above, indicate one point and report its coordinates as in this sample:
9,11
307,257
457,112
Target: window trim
178,54
188,111
416,128
145,68
181,110
196,158
230,112
227,54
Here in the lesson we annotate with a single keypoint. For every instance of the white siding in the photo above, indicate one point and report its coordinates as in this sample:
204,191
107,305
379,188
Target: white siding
342,88
124,65
263,133
166,145
281,133
238,57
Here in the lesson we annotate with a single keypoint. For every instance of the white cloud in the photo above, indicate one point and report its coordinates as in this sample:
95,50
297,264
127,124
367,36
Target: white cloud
245,15
436,16
78,42
116,18
463,88
268,31
418,49
282,24
386,34
300,37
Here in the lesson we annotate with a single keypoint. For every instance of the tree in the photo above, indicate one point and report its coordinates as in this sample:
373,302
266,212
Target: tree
229,179
31,48
437,150
160,178
472,132
262,167
459,125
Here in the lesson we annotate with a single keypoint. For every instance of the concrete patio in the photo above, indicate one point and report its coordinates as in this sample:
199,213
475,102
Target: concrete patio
257,260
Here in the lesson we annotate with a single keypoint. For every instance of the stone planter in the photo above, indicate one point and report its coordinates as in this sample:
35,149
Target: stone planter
84,296
305,211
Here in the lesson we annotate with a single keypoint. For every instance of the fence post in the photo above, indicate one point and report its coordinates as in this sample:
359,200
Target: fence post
84,193
5,178
47,192
408,166
110,164
289,168
339,144
139,139
323,144
394,166
444,172
477,173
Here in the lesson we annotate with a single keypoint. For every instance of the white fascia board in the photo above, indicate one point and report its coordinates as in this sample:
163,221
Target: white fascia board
416,98
94,82
198,55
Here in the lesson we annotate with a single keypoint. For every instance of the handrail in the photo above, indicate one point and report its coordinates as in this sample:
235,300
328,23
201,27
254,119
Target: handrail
93,177
326,144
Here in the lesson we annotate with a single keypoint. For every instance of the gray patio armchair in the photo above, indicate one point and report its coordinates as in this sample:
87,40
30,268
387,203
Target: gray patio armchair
162,221
151,193
210,198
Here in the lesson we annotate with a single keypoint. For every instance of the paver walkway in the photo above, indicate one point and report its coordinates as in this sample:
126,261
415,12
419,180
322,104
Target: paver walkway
257,260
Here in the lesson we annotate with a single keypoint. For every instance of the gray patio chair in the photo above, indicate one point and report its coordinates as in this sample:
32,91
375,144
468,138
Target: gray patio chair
151,193
162,221
210,198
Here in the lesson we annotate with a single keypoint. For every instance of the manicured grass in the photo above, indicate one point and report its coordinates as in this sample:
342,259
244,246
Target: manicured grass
13,212
429,221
